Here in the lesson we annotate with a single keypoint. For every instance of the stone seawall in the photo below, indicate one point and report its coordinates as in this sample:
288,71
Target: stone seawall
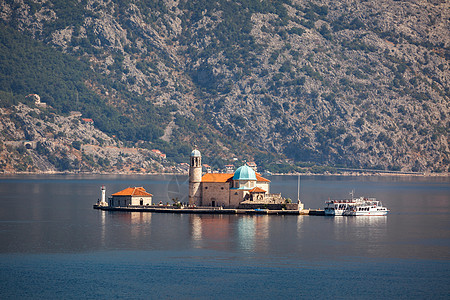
209,210
279,206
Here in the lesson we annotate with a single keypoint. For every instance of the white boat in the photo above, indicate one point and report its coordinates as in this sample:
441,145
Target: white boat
367,207
338,207
355,207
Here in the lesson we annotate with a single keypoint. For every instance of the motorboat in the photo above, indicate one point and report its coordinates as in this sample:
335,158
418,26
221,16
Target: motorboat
367,207
355,207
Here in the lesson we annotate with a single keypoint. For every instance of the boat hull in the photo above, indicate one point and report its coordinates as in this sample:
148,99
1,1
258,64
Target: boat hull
334,212
367,213
355,207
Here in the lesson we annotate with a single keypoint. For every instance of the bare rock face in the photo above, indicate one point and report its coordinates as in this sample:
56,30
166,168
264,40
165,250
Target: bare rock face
360,84
108,31
62,37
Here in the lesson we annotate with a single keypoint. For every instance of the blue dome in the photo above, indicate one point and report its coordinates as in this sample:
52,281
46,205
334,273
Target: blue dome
244,173
195,153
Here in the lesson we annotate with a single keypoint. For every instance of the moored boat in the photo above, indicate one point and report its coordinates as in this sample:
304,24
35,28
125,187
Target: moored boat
338,207
355,207
367,207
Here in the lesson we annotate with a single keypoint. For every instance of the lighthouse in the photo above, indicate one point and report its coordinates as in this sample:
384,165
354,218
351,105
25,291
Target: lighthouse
103,201
195,178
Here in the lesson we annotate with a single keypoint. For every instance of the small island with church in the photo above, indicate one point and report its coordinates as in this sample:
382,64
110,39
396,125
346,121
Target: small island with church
244,191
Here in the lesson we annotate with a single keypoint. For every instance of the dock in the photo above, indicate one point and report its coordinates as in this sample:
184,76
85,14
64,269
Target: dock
316,212
202,210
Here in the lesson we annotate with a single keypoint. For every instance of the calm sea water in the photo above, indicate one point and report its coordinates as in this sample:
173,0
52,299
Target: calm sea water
53,245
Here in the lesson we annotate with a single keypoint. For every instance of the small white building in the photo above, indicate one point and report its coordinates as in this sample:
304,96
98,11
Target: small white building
207,168
229,169
131,196
37,100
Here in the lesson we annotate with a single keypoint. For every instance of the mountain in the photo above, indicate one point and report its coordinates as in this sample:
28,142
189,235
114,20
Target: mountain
289,84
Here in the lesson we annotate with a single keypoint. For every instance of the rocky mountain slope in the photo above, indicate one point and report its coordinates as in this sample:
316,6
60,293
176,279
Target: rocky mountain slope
34,140
360,84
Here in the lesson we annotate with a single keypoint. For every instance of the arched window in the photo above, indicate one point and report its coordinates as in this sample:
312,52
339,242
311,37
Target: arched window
195,162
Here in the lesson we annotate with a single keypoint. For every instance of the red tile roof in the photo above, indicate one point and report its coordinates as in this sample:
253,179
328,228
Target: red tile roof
136,191
260,178
257,190
217,177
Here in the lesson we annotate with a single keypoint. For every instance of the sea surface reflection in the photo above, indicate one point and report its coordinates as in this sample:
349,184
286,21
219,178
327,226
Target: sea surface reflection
49,231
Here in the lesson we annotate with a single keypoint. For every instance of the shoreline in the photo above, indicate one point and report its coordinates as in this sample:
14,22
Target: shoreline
344,174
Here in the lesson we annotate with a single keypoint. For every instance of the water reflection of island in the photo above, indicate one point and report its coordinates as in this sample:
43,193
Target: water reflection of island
138,225
372,221
228,232
136,218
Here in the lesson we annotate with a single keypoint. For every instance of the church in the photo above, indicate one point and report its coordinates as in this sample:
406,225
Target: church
242,189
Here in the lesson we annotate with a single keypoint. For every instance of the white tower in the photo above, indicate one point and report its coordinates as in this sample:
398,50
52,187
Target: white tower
103,202
195,178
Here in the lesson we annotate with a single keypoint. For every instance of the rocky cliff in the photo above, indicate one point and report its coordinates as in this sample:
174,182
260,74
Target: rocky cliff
360,84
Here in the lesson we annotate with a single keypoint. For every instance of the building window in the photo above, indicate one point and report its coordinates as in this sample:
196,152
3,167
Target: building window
221,188
206,187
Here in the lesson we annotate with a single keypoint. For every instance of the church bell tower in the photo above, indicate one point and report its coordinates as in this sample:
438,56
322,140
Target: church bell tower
195,178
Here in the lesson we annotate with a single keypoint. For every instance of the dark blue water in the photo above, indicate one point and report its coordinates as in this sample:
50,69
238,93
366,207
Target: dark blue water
54,245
